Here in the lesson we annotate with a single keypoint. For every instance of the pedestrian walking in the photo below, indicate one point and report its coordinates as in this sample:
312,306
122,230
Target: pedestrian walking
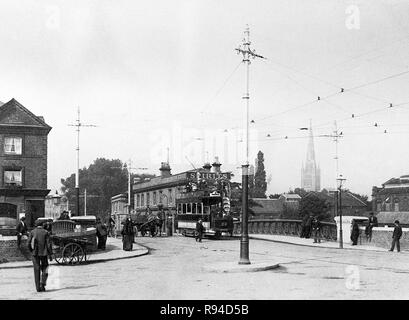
199,230
21,230
397,234
316,230
354,232
102,234
127,235
111,227
40,247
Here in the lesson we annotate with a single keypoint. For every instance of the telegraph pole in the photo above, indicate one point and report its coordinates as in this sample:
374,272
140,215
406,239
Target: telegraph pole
77,176
338,178
247,53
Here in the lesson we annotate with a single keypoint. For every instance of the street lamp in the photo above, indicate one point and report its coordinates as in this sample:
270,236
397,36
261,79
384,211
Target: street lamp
340,180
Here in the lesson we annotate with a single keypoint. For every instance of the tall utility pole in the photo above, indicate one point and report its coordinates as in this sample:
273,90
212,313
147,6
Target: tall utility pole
77,176
247,53
336,136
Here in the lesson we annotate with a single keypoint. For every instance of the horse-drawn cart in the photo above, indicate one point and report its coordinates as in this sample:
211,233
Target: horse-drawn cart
70,246
147,224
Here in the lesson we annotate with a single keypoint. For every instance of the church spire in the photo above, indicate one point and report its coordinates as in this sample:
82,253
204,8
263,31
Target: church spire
310,172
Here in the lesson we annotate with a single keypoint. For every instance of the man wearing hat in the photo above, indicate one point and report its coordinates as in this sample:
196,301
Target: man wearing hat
397,234
40,247
21,230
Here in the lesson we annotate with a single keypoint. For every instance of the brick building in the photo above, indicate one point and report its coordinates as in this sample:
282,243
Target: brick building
391,201
23,164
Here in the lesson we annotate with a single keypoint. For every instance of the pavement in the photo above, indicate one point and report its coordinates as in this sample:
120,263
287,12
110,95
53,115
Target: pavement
174,270
113,252
310,242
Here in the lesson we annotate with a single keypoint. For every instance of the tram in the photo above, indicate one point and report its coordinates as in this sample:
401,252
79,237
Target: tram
208,200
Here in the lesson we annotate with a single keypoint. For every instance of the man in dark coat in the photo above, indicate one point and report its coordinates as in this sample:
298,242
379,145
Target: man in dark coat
308,227
397,234
40,246
21,230
304,226
102,234
372,222
199,230
354,232
316,230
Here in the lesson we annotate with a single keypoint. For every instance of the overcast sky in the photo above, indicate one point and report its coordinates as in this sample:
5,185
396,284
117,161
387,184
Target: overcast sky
153,74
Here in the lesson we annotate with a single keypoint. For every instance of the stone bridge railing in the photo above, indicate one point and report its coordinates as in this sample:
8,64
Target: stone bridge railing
284,227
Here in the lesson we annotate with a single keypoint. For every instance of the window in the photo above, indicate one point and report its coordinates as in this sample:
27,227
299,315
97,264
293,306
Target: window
138,200
13,177
396,205
170,196
189,208
199,208
142,199
148,199
194,208
160,196
12,145
154,198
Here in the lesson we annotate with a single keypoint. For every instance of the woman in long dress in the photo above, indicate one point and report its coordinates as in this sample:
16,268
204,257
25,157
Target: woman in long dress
355,232
127,235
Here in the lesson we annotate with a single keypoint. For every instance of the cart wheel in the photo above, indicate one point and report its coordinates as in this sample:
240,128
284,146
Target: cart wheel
72,254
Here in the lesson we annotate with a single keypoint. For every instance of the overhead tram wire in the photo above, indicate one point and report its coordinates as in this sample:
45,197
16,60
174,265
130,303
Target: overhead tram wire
342,90
219,90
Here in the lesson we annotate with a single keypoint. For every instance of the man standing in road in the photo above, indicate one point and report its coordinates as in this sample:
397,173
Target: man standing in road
40,247
316,229
397,233
21,230
199,230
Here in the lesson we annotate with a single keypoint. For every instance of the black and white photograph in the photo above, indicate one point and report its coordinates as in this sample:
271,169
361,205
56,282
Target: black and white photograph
220,152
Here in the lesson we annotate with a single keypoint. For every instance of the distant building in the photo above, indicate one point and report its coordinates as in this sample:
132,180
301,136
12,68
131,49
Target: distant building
290,197
165,189
392,199
23,164
119,204
310,171
266,208
351,205
55,204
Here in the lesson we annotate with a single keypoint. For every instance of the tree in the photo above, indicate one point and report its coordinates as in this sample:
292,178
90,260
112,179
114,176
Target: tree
102,179
260,183
312,204
300,191
237,200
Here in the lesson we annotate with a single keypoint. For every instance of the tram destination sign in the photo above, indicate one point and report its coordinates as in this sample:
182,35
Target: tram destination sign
208,175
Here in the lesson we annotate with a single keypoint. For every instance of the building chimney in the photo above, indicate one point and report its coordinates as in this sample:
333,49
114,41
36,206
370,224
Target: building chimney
216,165
165,170
207,166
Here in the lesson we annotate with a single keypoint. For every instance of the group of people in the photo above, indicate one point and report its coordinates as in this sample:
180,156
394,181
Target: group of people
311,226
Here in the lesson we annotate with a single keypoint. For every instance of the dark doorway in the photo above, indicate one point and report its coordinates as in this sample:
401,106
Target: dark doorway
35,210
